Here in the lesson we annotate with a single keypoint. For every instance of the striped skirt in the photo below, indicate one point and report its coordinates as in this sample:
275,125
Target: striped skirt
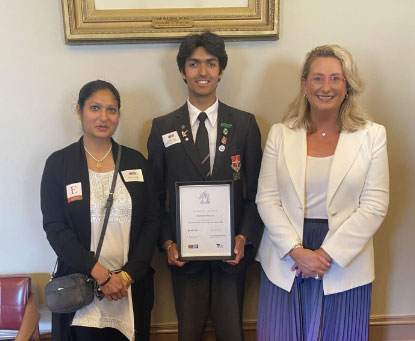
305,313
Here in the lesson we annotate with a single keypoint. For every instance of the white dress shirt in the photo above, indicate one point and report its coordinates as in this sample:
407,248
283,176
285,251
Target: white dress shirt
210,123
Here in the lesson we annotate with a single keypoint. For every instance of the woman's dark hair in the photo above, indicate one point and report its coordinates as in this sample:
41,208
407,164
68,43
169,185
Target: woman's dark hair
213,44
92,87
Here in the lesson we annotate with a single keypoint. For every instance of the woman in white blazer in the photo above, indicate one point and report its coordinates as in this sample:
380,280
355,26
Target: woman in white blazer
323,191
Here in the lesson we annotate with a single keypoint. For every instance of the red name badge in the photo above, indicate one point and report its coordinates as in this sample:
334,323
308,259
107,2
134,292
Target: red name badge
74,192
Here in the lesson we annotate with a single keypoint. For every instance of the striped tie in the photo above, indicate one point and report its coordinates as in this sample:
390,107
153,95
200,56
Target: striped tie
202,144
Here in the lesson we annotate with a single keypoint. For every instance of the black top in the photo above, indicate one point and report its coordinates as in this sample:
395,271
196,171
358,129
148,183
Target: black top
68,225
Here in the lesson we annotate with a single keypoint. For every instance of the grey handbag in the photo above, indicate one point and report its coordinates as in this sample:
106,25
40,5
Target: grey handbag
67,294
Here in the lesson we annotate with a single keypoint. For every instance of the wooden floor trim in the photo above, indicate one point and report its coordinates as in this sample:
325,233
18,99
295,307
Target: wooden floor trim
382,328
392,327
385,320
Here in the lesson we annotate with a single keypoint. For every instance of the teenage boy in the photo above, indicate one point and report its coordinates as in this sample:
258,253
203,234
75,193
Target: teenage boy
207,140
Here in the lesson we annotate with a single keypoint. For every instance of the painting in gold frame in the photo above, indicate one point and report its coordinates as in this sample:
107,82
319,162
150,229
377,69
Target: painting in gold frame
98,22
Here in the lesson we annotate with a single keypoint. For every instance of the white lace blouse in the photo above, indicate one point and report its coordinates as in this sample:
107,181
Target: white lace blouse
114,253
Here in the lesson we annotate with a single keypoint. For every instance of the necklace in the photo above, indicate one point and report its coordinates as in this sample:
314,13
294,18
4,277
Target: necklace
325,133
99,162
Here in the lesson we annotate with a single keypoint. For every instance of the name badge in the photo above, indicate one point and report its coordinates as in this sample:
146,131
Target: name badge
133,175
171,139
74,192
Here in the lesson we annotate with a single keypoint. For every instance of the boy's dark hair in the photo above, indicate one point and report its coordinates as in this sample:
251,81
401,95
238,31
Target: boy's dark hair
213,44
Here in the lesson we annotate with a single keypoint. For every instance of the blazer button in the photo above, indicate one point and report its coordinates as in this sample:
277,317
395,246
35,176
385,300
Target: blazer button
333,213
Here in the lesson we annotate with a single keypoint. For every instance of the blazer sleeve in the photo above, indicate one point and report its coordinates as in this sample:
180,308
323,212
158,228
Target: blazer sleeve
277,224
142,254
61,235
356,231
158,166
251,224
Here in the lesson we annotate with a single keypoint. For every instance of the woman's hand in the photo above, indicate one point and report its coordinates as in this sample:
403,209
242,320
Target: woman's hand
323,254
310,263
115,289
99,273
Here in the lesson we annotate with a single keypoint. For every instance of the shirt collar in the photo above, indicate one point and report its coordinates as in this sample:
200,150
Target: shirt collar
211,112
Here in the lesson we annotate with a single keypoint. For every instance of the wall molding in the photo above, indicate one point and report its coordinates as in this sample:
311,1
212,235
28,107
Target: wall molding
171,328
387,320
382,328
392,327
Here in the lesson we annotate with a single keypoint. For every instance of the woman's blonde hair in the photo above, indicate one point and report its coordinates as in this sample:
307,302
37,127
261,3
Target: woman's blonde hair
351,115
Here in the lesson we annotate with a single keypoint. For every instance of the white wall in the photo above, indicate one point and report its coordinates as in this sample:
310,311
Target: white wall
40,77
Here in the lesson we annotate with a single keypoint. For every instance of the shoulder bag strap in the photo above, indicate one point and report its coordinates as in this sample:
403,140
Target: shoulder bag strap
107,212
109,204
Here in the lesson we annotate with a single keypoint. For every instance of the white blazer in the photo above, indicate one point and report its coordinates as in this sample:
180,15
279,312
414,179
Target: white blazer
357,202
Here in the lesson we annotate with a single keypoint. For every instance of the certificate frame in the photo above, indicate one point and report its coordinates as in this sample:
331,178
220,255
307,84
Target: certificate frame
84,24
199,202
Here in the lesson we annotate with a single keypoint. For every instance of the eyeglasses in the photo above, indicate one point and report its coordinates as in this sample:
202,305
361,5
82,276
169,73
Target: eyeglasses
334,80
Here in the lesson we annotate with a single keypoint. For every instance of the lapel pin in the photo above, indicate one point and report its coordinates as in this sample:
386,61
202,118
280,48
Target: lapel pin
236,166
236,175
224,140
221,148
225,131
226,125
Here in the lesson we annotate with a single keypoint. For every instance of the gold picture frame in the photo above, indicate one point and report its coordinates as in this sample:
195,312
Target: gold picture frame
84,24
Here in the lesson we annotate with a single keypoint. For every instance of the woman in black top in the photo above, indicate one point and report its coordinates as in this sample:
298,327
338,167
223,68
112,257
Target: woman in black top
75,185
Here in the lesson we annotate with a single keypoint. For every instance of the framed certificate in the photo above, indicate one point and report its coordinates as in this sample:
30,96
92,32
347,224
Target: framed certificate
204,220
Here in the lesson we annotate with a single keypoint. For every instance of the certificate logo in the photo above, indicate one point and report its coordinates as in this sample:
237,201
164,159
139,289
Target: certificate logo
219,246
193,246
204,198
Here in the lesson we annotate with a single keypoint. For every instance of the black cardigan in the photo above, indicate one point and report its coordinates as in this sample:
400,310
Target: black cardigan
68,225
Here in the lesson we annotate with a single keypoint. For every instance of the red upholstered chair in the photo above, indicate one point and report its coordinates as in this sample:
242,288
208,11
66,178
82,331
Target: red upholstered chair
19,317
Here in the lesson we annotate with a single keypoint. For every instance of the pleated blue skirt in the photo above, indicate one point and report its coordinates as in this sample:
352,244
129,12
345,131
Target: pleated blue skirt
305,313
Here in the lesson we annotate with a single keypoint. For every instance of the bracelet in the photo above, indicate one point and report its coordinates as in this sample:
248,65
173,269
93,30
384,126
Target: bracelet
168,247
107,280
126,277
294,247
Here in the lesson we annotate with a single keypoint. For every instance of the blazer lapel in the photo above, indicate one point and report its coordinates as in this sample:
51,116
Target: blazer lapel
80,216
184,130
346,151
81,172
224,121
295,153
